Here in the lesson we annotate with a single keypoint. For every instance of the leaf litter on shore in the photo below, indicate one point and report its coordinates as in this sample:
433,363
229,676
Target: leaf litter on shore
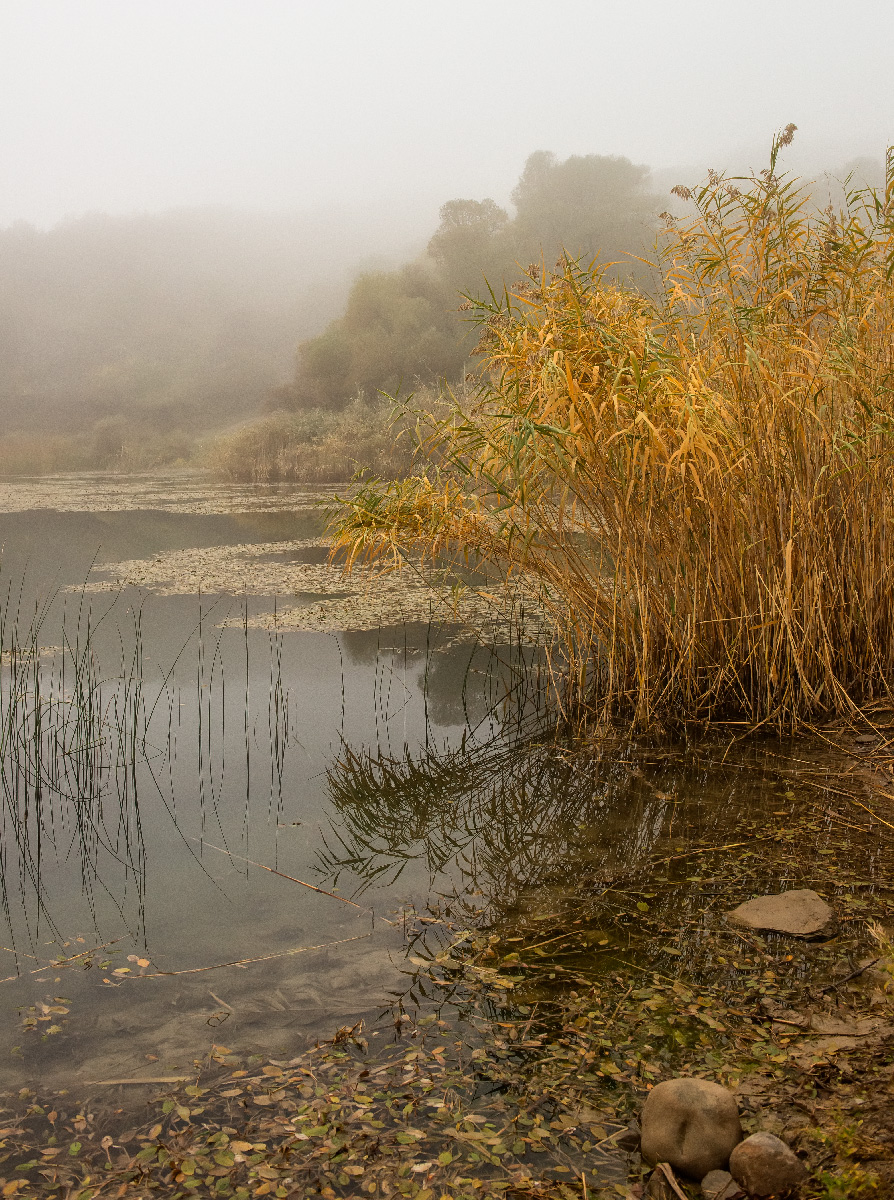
535,1034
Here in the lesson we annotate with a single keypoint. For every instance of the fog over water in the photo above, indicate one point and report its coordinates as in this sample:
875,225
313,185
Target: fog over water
396,106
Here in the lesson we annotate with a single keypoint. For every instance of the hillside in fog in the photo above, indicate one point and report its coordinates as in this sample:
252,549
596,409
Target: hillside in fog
129,342
166,325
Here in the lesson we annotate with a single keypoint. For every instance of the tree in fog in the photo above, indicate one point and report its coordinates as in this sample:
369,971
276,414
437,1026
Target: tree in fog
586,206
399,327
470,241
402,328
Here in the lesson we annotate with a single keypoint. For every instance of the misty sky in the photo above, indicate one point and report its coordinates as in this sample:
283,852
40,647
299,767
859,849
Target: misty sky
123,105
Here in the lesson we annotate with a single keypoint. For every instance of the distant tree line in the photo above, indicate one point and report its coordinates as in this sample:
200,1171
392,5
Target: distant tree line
154,328
403,328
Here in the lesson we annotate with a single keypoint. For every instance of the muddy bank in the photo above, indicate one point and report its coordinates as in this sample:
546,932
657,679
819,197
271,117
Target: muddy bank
536,1017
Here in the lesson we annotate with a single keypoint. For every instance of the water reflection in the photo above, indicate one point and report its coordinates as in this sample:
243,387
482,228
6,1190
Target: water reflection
400,767
154,757
590,856
509,810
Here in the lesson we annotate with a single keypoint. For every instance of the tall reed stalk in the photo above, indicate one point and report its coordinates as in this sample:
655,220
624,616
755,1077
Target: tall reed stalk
700,480
67,738
86,736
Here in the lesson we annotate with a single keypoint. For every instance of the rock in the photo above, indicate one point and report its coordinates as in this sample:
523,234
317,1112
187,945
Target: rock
629,1140
764,1166
720,1185
658,1188
800,913
690,1123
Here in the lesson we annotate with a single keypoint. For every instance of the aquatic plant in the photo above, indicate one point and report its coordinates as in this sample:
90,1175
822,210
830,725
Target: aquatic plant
699,479
87,733
68,737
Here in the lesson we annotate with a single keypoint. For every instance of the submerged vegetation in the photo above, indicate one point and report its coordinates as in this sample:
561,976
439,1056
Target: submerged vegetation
699,478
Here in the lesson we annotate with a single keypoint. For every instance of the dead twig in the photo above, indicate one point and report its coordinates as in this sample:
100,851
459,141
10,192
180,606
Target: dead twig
853,975
153,1079
707,849
668,1172
64,962
244,962
281,874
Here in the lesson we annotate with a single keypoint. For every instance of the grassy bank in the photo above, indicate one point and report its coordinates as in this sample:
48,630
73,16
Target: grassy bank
314,446
308,446
111,446
699,479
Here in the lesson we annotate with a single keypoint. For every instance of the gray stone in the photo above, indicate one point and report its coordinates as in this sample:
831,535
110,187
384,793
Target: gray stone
764,1166
690,1123
720,1185
800,913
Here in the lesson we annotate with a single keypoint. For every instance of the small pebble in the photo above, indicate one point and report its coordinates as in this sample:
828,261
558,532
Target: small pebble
720,1185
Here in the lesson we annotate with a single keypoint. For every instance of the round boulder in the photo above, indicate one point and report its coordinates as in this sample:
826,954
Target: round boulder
690,1123
764,1166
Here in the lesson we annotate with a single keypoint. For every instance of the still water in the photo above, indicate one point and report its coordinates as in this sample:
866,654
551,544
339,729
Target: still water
262,774
244,724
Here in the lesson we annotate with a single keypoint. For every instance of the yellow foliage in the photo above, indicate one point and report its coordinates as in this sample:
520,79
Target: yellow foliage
699,480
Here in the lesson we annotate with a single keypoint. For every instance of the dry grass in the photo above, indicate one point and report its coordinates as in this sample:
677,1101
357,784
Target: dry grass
50,454
33,454
701,480
313,446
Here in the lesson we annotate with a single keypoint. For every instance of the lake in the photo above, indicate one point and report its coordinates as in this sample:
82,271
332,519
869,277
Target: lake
190,601
254,777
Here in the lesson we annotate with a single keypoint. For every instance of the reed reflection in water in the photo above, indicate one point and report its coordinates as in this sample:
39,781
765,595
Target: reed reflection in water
623,843
88,737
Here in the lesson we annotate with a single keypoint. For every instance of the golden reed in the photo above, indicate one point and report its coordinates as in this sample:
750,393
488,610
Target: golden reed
699,480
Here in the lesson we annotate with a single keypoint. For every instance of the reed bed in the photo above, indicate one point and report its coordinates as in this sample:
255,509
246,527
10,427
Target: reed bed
312,446
699,479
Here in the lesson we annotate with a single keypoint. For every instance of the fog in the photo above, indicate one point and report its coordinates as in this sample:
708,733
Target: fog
194,193
142,105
